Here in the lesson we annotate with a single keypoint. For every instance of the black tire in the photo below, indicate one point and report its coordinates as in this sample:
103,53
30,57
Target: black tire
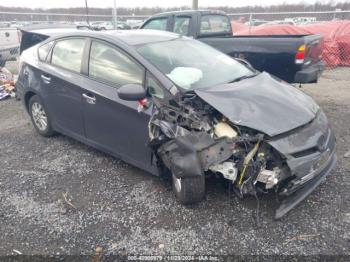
191,189
2,63
33,103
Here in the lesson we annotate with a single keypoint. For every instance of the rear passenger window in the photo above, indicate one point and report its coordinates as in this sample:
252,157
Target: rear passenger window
157,24
215,24
110,65
68,54
181,25
44,50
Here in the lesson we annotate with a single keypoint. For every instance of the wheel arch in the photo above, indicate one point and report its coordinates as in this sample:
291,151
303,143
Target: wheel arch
27,98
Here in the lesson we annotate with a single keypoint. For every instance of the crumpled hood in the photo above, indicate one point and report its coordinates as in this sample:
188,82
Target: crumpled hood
261,103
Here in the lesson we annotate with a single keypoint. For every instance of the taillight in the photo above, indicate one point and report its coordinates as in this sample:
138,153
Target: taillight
300,55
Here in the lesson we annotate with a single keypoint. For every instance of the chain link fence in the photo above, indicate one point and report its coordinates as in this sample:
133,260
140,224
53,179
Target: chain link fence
20,19
333,25
296,18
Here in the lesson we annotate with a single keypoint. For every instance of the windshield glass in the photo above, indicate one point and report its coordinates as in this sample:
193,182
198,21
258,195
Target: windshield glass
192,65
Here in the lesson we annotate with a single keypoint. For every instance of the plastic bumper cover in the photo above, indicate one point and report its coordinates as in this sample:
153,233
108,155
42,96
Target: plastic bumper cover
301,190
310,74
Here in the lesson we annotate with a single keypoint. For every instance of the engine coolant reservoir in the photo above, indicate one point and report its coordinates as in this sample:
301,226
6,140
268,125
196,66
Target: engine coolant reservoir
223,129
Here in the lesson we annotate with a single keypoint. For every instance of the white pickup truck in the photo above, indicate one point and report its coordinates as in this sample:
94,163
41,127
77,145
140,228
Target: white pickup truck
9,44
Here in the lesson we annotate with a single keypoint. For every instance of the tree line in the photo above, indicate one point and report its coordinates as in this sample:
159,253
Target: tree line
146,11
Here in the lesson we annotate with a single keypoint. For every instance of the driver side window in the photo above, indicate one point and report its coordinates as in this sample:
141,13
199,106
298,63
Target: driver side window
110,65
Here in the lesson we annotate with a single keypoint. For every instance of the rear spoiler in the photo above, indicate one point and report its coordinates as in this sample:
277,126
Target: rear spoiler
29,39
33,35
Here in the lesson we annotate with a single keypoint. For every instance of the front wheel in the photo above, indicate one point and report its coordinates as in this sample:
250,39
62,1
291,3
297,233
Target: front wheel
189,190
40,118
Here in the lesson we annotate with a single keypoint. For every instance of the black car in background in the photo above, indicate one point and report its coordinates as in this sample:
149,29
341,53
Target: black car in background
177,107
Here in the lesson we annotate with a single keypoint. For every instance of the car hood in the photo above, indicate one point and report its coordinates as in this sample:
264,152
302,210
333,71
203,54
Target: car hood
261,103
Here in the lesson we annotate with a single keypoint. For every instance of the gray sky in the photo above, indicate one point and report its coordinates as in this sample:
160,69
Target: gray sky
149,3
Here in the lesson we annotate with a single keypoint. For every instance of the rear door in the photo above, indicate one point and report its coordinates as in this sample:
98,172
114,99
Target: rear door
112,124
61,79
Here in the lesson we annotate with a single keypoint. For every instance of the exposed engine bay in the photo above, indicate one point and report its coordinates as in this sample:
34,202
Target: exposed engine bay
191,138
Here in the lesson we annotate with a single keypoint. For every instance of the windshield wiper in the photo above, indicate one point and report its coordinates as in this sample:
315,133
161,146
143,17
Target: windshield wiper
243,77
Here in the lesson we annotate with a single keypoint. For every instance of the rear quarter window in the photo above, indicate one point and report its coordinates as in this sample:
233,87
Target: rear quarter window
211,24
44,50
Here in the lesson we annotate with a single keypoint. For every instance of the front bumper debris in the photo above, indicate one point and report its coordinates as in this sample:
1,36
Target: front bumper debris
310,155
300,191
194,153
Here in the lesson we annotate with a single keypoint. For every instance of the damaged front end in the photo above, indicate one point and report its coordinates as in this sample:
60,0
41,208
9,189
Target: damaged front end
191,138
309,153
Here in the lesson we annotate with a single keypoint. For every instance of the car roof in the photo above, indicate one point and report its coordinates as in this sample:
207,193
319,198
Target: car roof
130,37
142,36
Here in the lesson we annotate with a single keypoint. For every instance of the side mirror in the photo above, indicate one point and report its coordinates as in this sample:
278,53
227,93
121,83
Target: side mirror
132,92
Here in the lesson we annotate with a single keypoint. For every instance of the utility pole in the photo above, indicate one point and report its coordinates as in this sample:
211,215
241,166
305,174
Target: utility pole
195,4
87,13
115,14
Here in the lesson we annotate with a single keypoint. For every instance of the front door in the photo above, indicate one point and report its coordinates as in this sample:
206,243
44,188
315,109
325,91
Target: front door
111,123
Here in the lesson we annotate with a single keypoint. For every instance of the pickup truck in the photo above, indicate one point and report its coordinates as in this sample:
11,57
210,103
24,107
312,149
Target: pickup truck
292,58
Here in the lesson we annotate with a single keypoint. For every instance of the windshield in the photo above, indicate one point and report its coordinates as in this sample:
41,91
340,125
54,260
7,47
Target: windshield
192,65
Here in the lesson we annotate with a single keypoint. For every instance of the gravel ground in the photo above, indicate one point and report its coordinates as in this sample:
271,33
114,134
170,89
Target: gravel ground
124,210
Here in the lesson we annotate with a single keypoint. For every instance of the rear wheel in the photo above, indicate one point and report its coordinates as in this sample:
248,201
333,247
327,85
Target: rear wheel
40,117
189,190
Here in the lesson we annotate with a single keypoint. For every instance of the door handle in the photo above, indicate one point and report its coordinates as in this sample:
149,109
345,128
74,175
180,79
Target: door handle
89,98
46,79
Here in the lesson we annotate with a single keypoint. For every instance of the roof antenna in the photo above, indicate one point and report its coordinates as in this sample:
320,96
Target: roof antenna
87,13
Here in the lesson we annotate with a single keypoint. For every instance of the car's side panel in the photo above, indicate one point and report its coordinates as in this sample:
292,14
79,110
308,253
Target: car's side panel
63,91
64,96
112,123
116,126
113,126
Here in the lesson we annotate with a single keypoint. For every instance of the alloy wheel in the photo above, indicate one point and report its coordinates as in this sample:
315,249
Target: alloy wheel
39,116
